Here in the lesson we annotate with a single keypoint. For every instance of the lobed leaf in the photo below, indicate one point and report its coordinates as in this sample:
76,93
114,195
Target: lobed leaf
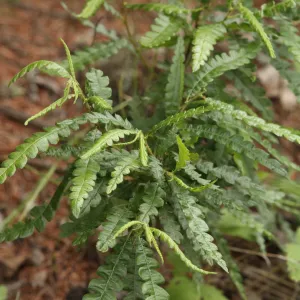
205,37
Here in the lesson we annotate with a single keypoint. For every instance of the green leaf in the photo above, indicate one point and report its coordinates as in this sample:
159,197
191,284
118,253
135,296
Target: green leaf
69,58
174,87
191,219
168,240
238,144
151,278
85,174
163,29
143,150
152,199
117,217
123,167
99,104
107,139
293,260
48,67
250,17
90,8
184,154
205,38
254,121
98,51
170,223
54,105
168,9
112,275
98,84
220,64
272,9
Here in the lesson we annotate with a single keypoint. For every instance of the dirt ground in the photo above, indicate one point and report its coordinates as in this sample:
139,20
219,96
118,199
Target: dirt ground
45,266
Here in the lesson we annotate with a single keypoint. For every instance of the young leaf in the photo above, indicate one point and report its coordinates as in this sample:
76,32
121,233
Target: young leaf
48,67
174,87
184,154
107,139
250,17
69,58
205,38
99,104
163,29
167,239
143,150
98,84
90,8
54,105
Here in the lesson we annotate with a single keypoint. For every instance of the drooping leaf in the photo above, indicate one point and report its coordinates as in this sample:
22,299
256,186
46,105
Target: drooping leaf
250,17
48,67
107,139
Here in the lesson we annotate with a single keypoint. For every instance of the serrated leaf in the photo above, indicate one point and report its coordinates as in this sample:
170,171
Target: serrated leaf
123,167
152,199
98,84
53,106
163,29
85,174
107,139
117,217
205,38
46,66
220,64
150,288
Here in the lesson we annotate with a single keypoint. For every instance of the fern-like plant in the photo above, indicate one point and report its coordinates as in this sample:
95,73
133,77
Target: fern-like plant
186,151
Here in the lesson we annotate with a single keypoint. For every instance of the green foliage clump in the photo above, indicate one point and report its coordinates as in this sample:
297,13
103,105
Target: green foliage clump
184,151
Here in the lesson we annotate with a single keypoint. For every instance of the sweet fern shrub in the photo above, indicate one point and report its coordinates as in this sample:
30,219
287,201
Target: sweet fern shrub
162,164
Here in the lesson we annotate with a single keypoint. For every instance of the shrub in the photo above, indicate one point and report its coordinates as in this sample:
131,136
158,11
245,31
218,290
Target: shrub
189,153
